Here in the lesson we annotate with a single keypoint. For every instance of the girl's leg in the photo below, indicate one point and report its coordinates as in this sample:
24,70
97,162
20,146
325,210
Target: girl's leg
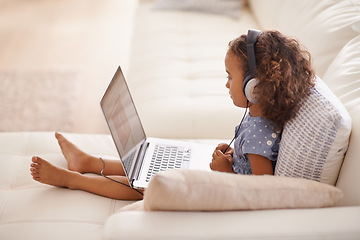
82,162
42,171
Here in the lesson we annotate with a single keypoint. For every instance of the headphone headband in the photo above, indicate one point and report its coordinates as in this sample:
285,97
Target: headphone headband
249,81
251,40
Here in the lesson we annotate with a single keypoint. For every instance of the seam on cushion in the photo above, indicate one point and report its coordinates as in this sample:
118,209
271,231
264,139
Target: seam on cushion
40,185
14,180
2,207
53,221
355,6
112,207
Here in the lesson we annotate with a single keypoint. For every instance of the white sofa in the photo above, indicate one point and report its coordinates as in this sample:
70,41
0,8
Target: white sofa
177,79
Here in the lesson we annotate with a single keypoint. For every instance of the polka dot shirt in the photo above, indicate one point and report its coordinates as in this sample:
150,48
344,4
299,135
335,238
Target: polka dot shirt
256,135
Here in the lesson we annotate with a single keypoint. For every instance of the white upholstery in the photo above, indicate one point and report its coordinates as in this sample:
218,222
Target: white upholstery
297,224
28,207
343,77
178,57
177,77
230,7
323,26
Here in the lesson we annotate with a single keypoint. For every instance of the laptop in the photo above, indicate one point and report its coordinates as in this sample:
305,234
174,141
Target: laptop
141,156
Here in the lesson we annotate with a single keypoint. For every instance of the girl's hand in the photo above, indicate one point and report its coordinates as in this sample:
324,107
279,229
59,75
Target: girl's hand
223,146
221,162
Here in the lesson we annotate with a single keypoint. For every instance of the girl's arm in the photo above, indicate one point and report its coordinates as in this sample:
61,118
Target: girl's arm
260,165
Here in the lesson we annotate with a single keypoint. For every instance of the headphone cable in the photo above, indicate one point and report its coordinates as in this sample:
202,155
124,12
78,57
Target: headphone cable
116,180
237,131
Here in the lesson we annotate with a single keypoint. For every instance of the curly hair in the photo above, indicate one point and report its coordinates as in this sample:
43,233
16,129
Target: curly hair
284,71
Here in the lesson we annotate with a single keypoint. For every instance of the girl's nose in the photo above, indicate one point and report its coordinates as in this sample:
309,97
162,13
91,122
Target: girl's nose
227,85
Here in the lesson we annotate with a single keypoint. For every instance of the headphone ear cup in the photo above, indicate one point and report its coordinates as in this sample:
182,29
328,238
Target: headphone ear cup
249,90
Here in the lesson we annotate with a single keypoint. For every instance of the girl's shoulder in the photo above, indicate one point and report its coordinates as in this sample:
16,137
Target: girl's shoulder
259,123
258,127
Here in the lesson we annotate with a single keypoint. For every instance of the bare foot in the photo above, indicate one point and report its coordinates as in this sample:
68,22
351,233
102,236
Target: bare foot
44,172
77,160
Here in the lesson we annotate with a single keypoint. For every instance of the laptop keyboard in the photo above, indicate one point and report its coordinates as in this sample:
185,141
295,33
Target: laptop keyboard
167,158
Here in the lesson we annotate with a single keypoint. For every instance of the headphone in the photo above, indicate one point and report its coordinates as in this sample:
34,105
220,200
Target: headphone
250,82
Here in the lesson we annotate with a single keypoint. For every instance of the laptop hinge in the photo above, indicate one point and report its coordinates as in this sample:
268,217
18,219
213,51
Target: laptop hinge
139,161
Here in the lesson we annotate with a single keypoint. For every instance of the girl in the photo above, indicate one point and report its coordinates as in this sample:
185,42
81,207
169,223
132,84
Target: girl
284,77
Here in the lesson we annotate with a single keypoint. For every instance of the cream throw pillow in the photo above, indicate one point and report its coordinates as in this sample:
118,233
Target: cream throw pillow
195,190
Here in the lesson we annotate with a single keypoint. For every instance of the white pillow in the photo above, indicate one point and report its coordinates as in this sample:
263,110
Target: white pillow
195,190
313,144
226,7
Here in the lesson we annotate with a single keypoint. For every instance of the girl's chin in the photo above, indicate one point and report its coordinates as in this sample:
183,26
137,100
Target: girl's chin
240,105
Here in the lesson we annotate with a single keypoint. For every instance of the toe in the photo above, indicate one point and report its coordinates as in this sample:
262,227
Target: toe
36,178
58,136
35,159
34,173
38,161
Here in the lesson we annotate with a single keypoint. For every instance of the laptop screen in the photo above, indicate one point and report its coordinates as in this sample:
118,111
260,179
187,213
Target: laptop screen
122,118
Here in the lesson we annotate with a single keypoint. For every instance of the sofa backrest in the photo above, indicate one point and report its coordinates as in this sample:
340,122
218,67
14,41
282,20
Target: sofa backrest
323,26
331,32
343,78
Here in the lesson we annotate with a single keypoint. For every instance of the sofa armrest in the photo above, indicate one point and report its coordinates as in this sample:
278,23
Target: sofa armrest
329,223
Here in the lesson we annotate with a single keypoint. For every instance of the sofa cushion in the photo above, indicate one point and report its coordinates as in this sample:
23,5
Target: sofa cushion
313,144
195,190
323,26
229,7
32,210
179,72
343,77
295,224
